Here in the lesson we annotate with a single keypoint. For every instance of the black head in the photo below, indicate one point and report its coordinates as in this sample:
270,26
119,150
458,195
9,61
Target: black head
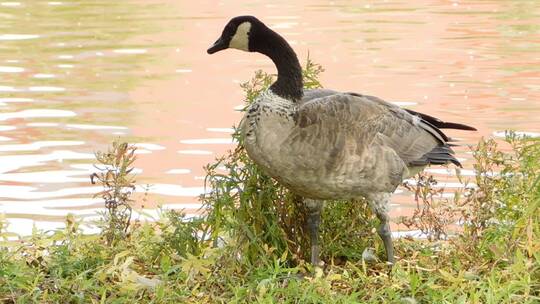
236,34
248,34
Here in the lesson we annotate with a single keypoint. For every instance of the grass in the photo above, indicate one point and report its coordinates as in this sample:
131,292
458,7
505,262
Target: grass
250,245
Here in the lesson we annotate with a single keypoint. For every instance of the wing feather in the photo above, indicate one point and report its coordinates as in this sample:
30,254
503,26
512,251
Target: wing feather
417,141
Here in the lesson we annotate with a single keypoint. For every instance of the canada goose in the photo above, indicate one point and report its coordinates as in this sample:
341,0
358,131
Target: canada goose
323,144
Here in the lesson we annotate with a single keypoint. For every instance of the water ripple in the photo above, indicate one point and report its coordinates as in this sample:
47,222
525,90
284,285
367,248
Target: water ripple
178,171
7,128
195,152
95,127
55,177
10,69
46,89
221,130
502,134
8,37
11,163
10,4
148,146
15,99
38,145
130,51
200,141
37,113
44,76
30,193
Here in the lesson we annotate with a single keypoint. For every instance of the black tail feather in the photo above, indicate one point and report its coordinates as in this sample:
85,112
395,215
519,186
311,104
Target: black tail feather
441,124
440,155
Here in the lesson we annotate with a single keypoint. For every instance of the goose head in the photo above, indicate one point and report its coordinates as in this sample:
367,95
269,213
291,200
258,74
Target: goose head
240,33
249,34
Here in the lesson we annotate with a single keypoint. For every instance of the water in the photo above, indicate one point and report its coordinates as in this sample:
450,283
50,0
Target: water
75,75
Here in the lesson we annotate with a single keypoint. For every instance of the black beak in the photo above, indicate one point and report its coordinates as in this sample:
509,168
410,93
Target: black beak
217,46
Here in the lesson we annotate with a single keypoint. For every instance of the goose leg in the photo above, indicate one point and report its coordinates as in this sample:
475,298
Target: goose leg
386,236
379,204
314,209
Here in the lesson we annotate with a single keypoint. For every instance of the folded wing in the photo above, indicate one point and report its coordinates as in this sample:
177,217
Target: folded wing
415,137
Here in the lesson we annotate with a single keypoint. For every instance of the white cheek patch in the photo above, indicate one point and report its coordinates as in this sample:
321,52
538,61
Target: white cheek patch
240,40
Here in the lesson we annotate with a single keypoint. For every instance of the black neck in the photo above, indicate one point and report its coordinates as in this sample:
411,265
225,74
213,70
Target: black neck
289,83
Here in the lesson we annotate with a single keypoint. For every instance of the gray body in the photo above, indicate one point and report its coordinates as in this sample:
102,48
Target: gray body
333,145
